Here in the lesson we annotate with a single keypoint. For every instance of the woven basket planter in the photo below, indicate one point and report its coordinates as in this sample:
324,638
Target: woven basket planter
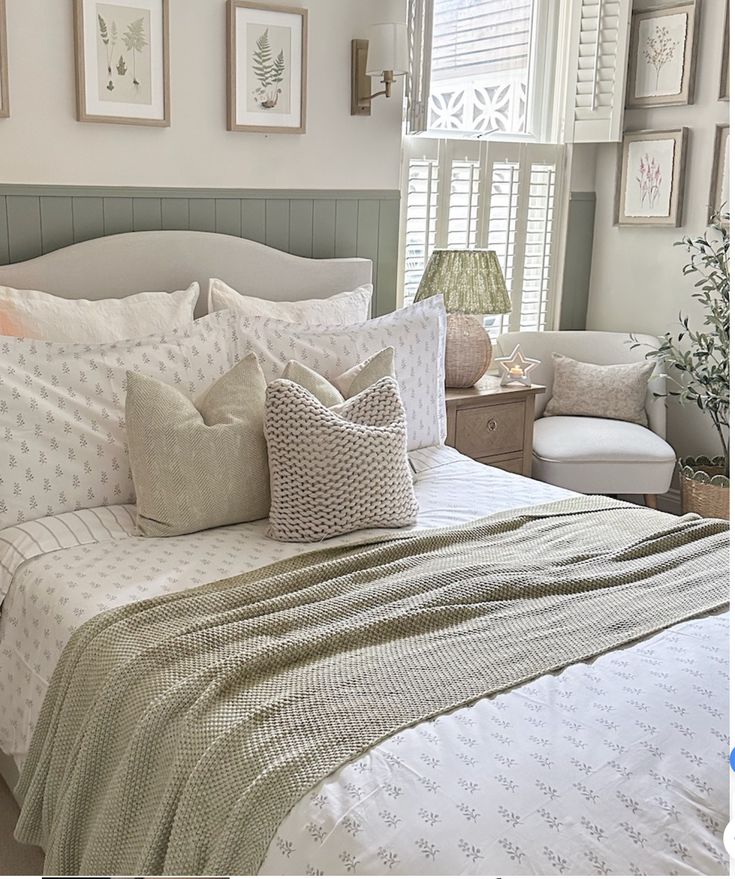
704,487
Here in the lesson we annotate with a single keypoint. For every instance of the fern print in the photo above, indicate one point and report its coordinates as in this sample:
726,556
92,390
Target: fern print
135,41
268,71
108,35
262,59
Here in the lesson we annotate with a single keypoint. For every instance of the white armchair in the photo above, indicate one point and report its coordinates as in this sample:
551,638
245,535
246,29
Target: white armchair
596,455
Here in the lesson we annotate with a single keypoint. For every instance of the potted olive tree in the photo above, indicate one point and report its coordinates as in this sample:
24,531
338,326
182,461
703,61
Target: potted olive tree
697,366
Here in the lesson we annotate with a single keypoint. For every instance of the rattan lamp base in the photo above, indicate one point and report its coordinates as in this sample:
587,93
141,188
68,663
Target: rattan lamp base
469,351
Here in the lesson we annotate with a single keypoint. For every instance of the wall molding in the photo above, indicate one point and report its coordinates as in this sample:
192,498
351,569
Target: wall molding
36,219
41,189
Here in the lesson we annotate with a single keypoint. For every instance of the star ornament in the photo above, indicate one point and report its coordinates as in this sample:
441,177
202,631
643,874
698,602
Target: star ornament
515,369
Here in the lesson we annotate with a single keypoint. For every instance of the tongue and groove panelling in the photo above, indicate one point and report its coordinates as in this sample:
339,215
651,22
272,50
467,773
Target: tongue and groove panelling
319,224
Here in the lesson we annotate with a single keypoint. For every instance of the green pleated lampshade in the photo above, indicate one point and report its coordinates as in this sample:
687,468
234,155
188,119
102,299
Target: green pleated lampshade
470,280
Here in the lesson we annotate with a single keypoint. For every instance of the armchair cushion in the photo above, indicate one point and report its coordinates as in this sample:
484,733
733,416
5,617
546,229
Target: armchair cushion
600,390
601,456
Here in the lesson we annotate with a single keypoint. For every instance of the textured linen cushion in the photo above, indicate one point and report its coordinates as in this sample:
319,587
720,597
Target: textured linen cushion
417,333
35,315
346,385
63,442
339,310
198,466
337,470
617,391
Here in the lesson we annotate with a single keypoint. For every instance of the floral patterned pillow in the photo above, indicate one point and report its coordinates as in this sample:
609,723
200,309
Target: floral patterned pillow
63,443
417,334
617,391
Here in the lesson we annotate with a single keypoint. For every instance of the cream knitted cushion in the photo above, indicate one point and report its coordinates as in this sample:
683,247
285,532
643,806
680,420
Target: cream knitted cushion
198,466
337,470
616,391
346,385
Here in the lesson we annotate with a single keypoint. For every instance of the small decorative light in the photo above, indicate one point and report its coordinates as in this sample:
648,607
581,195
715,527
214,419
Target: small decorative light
515,368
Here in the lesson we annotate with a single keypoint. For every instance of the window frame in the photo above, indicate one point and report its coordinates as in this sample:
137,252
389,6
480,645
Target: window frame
541,124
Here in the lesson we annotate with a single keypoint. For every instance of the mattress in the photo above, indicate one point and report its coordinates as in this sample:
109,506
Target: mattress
618,765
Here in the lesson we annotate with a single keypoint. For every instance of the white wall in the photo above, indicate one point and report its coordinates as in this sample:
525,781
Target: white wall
43,143
636,281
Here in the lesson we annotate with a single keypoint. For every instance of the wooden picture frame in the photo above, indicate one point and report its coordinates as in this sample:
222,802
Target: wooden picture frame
264,43
4,87
663,56
651,175
121,40
720,184
724,94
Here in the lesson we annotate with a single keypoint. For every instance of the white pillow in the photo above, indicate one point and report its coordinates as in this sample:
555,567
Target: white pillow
336,311
417,333
63,443
35,315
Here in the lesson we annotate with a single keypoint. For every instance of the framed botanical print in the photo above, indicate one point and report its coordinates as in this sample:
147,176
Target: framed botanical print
651,178
266,68
663,48
122,59
725,63
4,90
719,200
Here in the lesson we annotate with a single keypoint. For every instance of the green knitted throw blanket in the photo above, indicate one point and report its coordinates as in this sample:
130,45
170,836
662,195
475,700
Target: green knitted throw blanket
178,732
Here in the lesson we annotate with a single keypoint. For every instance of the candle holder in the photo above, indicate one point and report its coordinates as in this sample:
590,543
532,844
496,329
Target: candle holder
515,369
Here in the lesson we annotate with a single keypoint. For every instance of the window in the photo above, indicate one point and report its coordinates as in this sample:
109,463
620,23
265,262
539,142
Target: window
482,99
486,67
503,196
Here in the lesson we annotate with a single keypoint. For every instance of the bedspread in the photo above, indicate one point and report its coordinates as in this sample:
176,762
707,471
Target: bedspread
205,716
570,748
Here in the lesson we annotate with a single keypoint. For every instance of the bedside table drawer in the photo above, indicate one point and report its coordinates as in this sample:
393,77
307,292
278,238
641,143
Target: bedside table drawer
490,430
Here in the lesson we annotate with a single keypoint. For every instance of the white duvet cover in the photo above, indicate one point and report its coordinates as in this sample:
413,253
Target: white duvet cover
617,766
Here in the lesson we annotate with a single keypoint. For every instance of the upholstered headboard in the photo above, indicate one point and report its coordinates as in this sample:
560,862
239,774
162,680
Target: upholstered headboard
117,265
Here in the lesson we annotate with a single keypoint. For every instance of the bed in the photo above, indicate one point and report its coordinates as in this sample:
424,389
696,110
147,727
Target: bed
616,764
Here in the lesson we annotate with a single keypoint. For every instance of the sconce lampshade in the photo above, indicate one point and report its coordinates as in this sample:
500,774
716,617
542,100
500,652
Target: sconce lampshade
471,281
387,49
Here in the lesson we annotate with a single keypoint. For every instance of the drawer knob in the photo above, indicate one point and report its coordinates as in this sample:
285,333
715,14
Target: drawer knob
492,424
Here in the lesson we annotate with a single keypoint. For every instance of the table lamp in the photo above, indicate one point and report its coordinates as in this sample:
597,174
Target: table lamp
472,283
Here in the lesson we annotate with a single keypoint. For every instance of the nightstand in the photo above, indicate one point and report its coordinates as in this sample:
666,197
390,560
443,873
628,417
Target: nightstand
493,425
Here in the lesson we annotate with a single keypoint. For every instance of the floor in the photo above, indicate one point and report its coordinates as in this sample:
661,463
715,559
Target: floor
15,859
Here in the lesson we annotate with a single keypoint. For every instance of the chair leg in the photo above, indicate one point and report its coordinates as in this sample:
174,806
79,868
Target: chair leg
650,500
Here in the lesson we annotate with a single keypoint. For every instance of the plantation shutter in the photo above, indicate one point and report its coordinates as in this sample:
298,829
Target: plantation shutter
418,81
466,194
597,70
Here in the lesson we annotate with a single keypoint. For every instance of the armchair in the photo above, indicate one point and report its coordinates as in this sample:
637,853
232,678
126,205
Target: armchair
596,455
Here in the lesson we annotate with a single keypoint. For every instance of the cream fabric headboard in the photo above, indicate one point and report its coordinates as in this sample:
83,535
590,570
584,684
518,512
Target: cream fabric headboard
116,265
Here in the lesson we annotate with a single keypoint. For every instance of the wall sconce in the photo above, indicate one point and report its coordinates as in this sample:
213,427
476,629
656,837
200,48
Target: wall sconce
385,54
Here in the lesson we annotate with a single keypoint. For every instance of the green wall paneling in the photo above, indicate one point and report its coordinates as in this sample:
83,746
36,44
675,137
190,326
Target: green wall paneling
578,261
312,223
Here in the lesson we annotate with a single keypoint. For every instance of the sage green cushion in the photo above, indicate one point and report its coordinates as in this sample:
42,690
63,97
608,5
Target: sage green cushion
332,392
202,465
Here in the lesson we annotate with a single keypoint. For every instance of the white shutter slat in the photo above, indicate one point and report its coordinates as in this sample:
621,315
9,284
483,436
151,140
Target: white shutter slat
420,196
597,72
466,194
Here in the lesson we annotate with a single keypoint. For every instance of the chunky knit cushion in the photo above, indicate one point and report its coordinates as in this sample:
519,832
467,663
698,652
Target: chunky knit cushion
336,470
